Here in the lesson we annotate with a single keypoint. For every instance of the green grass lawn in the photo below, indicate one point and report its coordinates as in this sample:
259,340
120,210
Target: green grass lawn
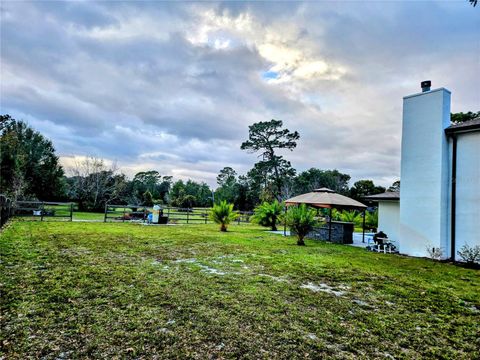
95,290
80,215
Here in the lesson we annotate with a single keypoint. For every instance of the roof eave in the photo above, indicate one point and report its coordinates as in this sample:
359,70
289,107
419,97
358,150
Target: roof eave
392,195
457,129
382,199
326,206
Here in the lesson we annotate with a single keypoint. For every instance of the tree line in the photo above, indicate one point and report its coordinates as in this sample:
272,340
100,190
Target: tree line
30,170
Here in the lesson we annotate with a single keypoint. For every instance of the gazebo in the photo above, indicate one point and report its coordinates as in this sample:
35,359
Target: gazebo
327,198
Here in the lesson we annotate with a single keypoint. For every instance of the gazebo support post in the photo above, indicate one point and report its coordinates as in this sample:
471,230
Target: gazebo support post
363,227
330,226
285,221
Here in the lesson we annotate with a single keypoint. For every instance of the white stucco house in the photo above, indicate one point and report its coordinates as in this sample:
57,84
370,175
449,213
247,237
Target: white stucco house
439,201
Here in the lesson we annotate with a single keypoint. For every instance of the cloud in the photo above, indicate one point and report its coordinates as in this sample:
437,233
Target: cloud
174,86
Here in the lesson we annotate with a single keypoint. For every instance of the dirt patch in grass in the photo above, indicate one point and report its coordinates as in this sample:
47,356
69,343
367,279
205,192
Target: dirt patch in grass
325,288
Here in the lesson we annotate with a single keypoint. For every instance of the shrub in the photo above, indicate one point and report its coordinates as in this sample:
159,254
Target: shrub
184,201
470,255
268,214
435,253
147,198
301,220
222,213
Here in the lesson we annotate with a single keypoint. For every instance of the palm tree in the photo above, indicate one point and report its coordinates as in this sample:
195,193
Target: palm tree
336,215
351,216
223,214
301,220
268,214
371,219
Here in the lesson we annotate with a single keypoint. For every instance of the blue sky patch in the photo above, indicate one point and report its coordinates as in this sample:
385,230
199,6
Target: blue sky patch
270,75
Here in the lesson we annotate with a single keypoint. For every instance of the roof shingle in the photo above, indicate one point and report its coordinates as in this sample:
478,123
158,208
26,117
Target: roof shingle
389,195
467,126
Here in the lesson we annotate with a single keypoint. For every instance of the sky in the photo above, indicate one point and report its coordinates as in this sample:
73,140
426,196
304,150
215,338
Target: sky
173,86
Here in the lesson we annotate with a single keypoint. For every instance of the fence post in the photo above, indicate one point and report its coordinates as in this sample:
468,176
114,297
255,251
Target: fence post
123,217
11,209
71,211
105,216
206,215
239,216
188,211
3,207
42,207
363,227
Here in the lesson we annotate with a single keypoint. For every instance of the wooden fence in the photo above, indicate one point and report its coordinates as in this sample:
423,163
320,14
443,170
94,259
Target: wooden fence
125,213
173,215
48,210
43,210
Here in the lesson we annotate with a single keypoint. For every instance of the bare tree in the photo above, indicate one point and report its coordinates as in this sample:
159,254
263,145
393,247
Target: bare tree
93,183
18,186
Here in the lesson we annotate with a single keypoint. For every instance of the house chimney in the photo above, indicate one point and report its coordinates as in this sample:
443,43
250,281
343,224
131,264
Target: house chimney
426,85
424,172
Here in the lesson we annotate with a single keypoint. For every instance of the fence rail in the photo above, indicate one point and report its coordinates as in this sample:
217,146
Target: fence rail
50,210
172,215
43,210
124,213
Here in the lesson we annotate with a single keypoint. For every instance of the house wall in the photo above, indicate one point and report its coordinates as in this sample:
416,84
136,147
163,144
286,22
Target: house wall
424,192
389,218
468,190
448,246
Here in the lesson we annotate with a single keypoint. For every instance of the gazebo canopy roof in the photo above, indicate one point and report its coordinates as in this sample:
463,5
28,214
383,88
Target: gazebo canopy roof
325,198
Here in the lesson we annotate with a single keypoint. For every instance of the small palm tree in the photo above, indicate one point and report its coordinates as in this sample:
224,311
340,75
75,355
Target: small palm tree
268,214
301,220
336,215
222,213
351,216
371,219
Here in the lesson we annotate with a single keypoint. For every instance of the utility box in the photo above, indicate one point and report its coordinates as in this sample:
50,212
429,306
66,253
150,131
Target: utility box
155,214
